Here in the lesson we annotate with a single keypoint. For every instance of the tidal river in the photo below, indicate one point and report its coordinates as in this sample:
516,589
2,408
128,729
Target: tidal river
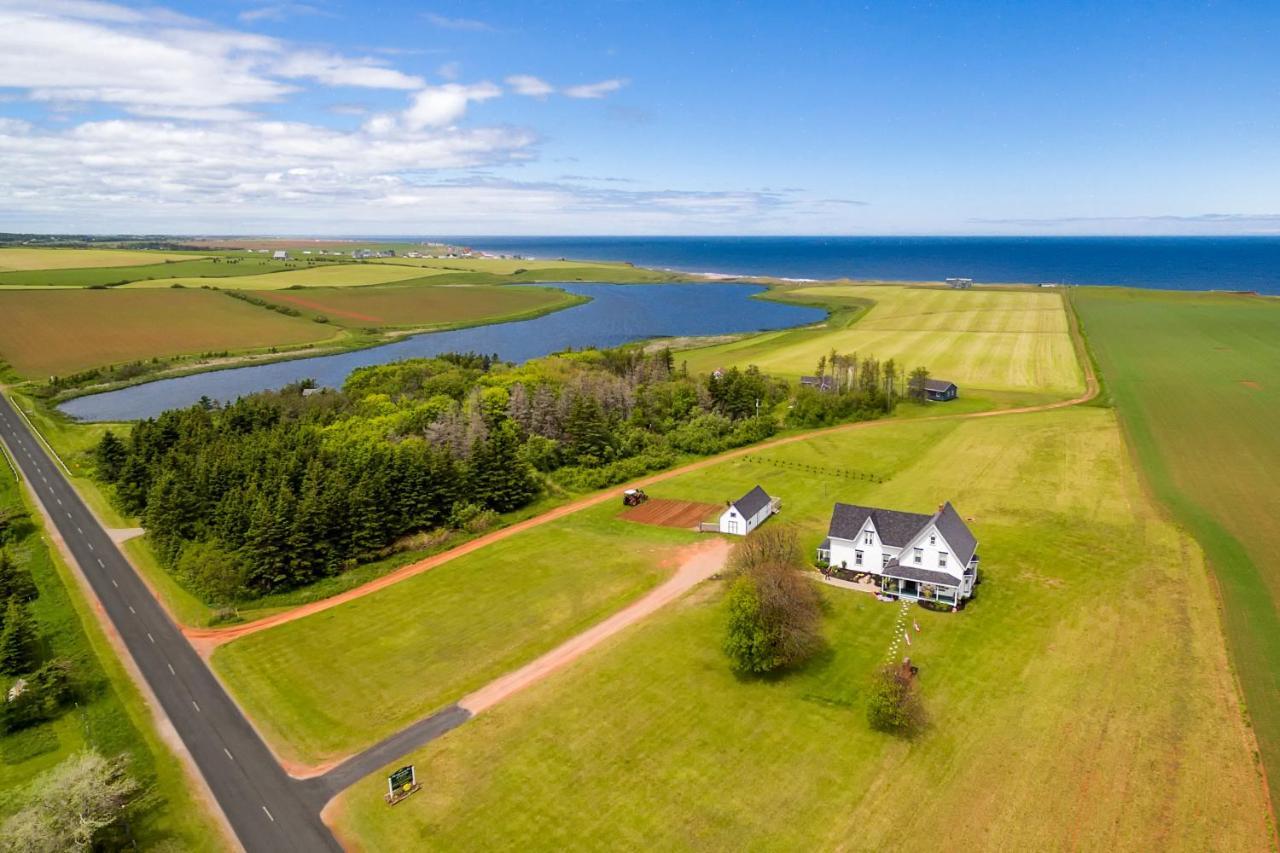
616,314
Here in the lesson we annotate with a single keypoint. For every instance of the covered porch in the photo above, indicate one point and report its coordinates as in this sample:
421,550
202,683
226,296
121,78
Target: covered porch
914,590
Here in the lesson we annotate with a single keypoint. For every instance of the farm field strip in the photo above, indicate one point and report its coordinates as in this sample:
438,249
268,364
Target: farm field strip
1062,660
142,324
320,275
419,305
201,270
1192,377
996,340
56,259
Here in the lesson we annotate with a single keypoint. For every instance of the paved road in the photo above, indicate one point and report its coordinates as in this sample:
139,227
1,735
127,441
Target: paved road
268,810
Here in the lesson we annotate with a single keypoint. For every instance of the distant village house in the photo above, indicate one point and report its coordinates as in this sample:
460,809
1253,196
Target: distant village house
960,283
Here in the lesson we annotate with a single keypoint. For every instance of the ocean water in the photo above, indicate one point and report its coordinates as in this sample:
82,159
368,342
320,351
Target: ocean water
1170,263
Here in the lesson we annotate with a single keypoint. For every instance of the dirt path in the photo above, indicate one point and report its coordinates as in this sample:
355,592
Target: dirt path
206,640
697,563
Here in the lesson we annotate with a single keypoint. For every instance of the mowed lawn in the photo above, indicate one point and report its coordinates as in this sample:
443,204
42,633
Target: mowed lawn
1082,701
1000,340
415,305
338,681
62,331
51,259
319,275
1196,379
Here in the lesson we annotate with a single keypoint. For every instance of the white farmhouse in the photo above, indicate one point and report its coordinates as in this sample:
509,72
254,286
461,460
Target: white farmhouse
909,555
748,512
280,255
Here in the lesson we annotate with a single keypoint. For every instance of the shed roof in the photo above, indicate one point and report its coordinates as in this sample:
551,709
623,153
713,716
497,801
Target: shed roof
938,384
752,502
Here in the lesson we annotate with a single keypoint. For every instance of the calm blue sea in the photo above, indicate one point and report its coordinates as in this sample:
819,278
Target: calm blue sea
1171,263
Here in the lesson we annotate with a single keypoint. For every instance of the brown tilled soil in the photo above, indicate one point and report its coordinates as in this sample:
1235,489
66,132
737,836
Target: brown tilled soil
669,513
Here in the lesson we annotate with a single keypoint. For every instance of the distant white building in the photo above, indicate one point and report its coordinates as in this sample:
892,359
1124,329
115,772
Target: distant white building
960,283
280,255
748,512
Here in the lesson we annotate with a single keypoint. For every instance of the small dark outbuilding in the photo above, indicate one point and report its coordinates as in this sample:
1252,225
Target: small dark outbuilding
941,390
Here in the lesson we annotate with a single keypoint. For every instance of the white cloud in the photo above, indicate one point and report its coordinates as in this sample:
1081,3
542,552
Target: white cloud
595,90
464,24
449,70
334,70
527,84
280,12
161,63
439,106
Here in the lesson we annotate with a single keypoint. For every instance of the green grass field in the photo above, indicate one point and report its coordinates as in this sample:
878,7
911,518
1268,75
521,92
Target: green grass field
51,259
1007,340
1196,379
190,269
319,275
1082,701
416,306
335,682
111,716
62,331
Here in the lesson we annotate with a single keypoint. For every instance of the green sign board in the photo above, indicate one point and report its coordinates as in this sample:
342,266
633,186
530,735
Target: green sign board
401,781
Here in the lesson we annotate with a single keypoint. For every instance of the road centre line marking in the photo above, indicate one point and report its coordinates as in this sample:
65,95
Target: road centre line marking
264,808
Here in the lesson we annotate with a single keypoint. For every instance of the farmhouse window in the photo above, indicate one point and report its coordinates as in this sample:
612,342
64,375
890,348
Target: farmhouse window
942,559
919,555
869,538
884,560
857,558
933,540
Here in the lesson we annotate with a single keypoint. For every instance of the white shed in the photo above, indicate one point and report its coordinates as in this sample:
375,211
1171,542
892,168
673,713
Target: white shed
280,255
748,512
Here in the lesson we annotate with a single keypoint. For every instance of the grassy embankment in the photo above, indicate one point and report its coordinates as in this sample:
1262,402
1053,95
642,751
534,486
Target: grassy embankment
1065,712
110,717
1194,378
1004,342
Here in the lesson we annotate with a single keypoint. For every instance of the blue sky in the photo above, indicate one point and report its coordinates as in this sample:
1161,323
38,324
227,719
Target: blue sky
329,117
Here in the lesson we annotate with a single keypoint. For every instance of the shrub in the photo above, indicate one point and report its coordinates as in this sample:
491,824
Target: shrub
895,706
73,807
774,611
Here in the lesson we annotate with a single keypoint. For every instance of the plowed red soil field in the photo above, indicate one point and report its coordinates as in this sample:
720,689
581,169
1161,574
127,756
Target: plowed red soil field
668,513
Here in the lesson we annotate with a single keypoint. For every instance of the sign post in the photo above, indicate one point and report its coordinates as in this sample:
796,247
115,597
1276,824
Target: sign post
401,784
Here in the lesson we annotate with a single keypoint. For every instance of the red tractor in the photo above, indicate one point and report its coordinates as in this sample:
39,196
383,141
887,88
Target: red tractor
634,497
